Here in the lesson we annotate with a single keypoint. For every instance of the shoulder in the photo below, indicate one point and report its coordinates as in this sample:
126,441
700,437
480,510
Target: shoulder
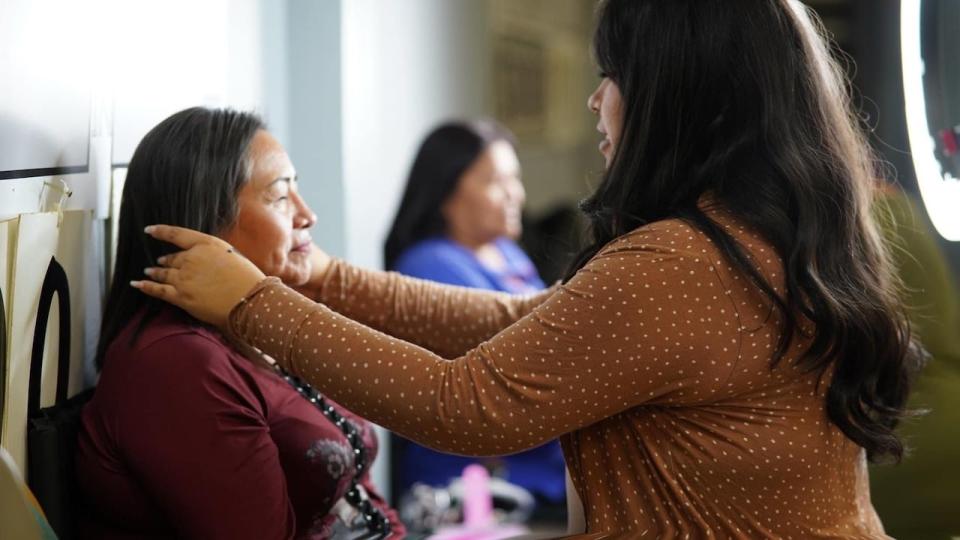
432,250
677,248
667,256
441,260
175,369
168,348
672,239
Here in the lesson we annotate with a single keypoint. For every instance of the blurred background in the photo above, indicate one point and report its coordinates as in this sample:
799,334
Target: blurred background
351,87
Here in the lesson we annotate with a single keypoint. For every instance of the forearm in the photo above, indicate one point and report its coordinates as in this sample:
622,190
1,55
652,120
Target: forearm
467,405
445,319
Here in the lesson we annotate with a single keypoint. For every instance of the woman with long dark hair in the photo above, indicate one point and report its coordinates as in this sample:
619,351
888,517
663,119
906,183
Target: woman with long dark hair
460,212
185,437
721,361
457,223
440,175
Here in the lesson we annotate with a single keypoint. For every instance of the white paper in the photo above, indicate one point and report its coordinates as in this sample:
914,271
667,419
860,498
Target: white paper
77,253
35,244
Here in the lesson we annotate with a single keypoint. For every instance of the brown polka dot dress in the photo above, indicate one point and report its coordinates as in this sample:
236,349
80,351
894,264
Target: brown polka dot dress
652,365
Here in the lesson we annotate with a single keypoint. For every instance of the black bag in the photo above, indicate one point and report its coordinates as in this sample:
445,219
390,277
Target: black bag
52,431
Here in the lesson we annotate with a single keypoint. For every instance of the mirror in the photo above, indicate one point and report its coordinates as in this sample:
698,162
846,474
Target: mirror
931,81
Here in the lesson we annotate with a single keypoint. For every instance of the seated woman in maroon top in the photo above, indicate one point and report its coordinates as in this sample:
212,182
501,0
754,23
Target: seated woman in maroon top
186,438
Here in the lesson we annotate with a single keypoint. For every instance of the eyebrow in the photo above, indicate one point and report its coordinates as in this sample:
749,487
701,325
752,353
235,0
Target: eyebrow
287,179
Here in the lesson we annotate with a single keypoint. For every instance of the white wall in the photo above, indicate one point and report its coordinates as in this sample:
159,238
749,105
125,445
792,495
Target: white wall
407,65
166,56
314,118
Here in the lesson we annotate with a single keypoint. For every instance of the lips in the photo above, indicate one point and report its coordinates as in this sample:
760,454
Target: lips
605,144
302,248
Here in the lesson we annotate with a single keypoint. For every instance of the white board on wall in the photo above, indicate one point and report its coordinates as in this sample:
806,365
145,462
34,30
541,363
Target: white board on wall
45,87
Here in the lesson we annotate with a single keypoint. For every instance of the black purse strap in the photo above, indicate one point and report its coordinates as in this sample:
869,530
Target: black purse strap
54,282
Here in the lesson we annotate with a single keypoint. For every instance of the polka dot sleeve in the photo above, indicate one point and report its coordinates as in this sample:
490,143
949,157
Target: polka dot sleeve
624,331
447,320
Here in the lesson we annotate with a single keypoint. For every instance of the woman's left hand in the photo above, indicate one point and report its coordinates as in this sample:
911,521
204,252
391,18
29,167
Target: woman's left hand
207,279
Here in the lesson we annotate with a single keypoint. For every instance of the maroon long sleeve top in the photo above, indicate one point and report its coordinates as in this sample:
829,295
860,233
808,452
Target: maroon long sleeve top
186,438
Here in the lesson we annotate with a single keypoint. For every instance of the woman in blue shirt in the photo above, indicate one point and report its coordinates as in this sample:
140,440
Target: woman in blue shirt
457,224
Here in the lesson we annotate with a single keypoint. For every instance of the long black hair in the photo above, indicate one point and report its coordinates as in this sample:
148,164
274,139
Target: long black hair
742,101
447,152
187,171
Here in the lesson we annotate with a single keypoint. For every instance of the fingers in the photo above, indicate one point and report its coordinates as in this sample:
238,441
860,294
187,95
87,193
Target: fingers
181,258
179,236
173,260
157,290
161,275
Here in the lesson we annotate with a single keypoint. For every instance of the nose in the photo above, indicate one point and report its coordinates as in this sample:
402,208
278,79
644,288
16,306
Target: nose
593,100
304,218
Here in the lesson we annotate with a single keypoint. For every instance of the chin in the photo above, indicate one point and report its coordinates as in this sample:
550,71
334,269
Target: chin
295,277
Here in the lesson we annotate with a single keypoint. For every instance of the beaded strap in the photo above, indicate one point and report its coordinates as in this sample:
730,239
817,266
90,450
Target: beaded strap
376,522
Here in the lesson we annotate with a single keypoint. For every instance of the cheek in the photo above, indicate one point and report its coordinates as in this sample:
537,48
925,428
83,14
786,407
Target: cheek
495,204
500,215
296,269
613,115
293,268
267,243
476,207
612,122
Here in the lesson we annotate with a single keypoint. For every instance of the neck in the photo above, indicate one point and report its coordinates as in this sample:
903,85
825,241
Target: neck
485,251
471,242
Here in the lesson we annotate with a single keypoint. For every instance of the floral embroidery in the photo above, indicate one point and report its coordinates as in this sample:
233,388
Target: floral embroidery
337,456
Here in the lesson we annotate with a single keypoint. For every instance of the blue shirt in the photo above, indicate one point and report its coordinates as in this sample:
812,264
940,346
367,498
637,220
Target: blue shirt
539,470
445,261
